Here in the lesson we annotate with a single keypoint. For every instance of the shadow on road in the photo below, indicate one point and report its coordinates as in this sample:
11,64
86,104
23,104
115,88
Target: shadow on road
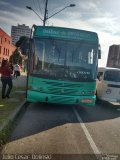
101,111
40,117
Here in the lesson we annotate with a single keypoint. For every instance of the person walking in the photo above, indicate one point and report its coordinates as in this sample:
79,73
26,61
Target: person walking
16,70
6,79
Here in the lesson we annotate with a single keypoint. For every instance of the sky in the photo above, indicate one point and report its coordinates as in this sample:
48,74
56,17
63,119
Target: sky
100,16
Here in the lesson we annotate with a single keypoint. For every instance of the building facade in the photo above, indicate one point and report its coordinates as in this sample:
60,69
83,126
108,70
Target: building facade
18,31
114,56
6,47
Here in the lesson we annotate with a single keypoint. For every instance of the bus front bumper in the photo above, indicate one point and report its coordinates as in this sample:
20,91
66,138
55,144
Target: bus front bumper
33,96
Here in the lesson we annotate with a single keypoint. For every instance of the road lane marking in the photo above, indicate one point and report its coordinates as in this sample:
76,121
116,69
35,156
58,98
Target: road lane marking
88,136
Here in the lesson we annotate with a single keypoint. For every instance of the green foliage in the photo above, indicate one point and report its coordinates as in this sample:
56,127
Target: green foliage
16,57
20,42
23,44
5,133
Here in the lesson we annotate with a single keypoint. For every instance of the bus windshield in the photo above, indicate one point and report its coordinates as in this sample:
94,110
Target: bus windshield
112,75
65,60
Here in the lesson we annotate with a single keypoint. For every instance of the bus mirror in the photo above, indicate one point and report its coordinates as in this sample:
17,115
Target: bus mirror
90,57
99,54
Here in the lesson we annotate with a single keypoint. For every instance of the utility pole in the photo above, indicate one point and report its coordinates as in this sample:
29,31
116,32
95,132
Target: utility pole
45,13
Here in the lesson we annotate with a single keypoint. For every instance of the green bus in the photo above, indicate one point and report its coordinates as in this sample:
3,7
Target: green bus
62,66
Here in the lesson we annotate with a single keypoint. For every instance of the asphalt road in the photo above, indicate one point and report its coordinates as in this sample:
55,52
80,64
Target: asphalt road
67,129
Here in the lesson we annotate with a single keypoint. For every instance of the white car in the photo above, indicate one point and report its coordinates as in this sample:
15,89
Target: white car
108,84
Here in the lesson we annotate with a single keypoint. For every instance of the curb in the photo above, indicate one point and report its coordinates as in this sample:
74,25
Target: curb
12,116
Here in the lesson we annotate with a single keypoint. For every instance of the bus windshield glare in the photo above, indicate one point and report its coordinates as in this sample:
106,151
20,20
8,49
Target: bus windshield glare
65,60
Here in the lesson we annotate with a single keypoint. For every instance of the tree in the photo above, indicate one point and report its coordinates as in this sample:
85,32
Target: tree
23,44
16,57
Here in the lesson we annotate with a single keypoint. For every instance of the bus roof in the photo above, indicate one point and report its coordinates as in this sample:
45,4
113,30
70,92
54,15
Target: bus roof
64,33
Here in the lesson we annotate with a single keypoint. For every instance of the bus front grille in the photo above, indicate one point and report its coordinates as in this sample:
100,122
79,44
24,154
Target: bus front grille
62,91
62,88
62,100
62,84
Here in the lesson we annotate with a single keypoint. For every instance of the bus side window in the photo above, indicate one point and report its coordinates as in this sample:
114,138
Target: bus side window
99,75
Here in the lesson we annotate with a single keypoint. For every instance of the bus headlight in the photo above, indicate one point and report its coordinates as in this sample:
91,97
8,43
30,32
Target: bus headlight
29,87
92,92
83,92
35,88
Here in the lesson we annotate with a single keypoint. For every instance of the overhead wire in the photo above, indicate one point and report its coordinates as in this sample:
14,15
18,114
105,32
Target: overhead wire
35,5
39,7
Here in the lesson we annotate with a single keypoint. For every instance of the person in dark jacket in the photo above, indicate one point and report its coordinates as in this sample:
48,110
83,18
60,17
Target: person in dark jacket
6,79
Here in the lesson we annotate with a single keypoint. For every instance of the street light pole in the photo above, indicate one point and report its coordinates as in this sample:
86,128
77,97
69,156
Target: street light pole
30,8
45,17
45,13
71,5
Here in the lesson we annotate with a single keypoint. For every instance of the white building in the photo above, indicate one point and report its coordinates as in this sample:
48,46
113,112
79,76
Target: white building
18,31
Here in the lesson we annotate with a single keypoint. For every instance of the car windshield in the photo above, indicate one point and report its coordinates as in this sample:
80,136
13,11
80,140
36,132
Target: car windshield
112,75
65,59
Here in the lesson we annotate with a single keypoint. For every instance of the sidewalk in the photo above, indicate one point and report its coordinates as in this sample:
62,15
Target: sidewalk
20,81
9,108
